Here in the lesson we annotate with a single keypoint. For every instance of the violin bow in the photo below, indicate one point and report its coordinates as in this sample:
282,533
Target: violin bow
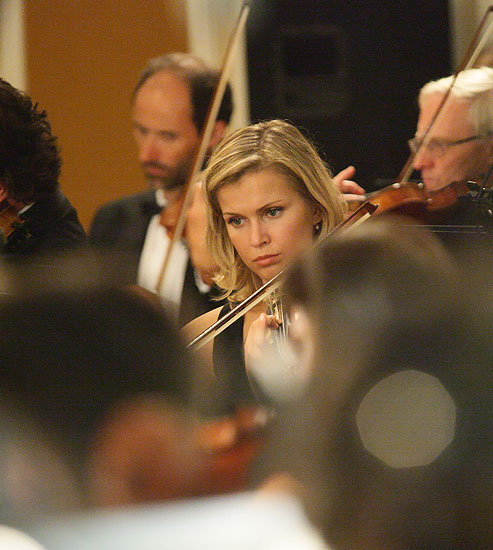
357,217
206,134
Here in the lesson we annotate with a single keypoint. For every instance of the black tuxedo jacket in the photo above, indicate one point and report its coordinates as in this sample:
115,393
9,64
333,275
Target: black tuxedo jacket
468,225
51,227
120,227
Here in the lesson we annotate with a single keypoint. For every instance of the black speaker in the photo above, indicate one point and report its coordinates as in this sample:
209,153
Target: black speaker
348,73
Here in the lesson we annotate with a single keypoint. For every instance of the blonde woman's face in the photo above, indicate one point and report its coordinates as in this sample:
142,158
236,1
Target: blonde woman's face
268,221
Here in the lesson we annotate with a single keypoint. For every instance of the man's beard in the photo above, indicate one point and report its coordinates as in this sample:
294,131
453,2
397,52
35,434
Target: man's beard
172,178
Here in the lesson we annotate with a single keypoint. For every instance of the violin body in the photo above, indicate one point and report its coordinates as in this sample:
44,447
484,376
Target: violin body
229,447
413,200
447,198
145,452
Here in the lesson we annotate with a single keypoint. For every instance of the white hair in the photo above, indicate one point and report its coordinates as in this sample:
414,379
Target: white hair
474,86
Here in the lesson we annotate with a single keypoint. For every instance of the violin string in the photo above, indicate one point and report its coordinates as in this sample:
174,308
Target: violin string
280,336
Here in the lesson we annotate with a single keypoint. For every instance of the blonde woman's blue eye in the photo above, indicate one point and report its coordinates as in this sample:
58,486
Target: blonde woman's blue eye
272,212
234,221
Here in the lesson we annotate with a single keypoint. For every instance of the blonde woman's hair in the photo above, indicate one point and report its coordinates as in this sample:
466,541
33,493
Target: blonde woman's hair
275,145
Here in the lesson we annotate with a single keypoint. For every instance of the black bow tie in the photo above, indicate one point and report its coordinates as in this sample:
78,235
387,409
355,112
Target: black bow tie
151,207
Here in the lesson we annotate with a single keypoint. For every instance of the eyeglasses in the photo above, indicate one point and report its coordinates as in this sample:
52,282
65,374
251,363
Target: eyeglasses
437,148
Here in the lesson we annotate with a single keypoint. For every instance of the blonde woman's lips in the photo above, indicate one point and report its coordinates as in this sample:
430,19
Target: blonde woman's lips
266,260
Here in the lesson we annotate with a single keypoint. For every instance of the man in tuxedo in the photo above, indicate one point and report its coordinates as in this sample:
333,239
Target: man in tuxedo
41,221
168,110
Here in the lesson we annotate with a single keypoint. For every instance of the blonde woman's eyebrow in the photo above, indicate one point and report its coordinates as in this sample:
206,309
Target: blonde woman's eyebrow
258,210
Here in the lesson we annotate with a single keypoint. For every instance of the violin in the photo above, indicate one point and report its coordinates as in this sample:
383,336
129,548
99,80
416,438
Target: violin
414,200
146,451
11,225
228,447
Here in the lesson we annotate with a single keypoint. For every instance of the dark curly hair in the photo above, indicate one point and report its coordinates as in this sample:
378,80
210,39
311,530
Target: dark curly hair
29,157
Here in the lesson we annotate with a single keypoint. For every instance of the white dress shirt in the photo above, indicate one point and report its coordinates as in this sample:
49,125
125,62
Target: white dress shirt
152,258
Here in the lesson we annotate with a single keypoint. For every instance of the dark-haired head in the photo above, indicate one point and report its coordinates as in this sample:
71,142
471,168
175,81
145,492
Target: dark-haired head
392,438
201,80
70,355
29,157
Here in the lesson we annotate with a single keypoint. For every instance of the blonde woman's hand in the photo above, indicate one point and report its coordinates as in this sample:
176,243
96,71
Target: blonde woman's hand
257,339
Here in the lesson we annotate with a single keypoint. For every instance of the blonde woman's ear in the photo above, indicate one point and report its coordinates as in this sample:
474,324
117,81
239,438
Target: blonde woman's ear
317,215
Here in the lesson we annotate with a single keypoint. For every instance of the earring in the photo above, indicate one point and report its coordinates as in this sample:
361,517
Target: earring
318,227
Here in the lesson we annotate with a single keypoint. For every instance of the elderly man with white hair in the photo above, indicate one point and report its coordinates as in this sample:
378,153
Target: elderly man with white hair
460,143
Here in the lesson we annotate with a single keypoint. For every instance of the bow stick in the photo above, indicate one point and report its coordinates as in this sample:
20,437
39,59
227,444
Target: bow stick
206,135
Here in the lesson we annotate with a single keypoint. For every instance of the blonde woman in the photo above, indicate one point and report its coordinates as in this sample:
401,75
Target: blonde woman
269,197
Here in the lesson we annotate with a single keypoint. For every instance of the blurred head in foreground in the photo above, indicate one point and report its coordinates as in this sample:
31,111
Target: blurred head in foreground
102,370
392,439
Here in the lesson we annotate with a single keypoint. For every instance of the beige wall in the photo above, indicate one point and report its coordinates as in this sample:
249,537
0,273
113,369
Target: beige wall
83,58
465,19
210,25
12,52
